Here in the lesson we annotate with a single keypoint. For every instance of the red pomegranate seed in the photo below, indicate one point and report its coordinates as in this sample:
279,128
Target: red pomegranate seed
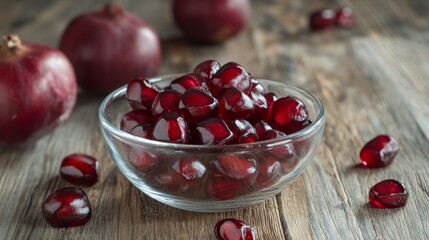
135,118
233,229
260,104
198,105
80,169
144,131
207,69
230,75
222,188
269,170
190,168
235,104
388,194
188,81
171,127
141,93
212,131
142,160
168,180
322,19
243,131
272,134
290,113
166,101
270,98
344,17
235,167
256,86
261,127
379,152
67,207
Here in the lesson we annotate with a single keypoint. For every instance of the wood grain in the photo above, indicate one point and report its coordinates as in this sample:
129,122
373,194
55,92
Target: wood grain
372,80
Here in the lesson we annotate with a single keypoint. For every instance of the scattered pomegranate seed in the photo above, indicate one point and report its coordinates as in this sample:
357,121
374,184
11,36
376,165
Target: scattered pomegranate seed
207,69
379,152
344,17
141,93
388,194
166,101
188,81
171,127
80,169
230,75
198,105
135,118
233,229
212,131
235,104
322,19
290,114
67,207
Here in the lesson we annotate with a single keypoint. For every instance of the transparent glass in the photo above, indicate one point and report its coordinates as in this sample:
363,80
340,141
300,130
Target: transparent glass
286,157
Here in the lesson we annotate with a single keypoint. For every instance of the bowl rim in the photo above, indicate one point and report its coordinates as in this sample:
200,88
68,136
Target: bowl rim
107,125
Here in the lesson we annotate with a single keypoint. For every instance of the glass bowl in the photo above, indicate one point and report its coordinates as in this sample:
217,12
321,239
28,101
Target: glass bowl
153,166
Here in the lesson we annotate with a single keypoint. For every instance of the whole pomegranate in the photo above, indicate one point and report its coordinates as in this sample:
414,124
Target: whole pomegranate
37,90
109,47
211,21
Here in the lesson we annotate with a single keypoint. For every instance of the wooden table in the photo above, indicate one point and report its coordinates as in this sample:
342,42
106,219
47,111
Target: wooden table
372,79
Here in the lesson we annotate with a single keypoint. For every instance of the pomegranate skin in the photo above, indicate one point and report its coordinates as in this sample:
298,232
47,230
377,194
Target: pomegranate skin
38,91
211,21
109,47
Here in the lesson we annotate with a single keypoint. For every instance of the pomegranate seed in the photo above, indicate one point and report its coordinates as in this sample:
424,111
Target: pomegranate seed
141,93
272,134
388,194
243,131
188,81
233,229
235,167
256,86
171,127
270,98
166,101
345,18
379,152
235,104
198,105
168,180
212,131
189,168
230,75
80,169
207,69
290,113
322,19
261,127
222,188
269,170
67,207
142,160
135,118
144,131
261,106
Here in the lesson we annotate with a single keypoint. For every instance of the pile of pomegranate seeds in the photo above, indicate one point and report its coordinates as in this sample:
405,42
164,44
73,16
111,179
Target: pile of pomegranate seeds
213,105
67,207
233,229
379,152
80,169
326,18
388,194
